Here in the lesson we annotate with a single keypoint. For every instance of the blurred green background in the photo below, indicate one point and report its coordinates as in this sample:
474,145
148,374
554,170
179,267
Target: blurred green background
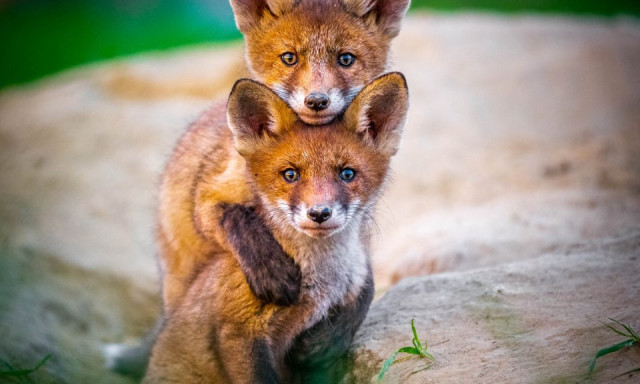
40,37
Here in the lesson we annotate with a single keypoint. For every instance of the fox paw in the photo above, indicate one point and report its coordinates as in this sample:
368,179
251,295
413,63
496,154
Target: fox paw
273,276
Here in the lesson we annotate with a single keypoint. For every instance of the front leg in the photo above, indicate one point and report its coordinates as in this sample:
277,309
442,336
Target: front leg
272,275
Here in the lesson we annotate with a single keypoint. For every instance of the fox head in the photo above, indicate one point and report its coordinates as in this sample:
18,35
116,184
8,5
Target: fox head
317,54
318,179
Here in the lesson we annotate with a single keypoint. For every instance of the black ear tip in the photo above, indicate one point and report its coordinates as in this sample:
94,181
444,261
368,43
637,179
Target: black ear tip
245,84
251,88
394,77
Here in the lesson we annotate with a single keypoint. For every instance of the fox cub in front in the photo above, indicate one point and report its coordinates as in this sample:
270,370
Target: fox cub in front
315,189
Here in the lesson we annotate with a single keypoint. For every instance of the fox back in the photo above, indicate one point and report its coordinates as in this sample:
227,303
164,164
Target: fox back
317,54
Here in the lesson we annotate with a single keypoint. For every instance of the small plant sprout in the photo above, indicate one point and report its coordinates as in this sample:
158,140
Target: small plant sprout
417,350
632,339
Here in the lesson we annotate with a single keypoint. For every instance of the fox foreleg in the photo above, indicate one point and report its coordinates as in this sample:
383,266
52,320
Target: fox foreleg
272,275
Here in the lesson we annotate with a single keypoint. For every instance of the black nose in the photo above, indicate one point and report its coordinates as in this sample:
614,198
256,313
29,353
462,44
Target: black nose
319,213
317,101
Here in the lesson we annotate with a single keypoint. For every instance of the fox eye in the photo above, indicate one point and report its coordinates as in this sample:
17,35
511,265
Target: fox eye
346,59
290,175
347,174
289,58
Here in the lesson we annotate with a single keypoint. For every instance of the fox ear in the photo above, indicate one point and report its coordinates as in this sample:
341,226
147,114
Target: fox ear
385,14
249,13
379,111
255,115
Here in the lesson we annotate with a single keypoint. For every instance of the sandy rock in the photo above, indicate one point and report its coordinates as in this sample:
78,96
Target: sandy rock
512,120
538,321
506,230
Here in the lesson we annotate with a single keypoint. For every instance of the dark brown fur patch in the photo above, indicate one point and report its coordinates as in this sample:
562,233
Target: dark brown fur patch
264,367
272,275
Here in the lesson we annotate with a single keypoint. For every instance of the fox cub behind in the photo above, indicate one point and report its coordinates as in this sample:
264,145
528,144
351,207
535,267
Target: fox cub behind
315,188
317,54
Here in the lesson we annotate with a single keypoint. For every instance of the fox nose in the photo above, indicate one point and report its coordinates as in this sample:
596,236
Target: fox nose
317,101
319,213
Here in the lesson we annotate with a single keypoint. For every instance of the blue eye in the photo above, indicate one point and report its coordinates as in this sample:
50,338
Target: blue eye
289,58
290,175
346,59
347,174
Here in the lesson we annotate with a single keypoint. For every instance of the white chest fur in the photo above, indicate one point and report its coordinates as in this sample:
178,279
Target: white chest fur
333,270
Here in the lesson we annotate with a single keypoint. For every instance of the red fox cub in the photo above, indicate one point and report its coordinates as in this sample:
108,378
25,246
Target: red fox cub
314,188
316,55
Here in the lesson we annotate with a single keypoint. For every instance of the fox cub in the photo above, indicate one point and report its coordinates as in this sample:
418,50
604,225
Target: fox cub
315,188
316,55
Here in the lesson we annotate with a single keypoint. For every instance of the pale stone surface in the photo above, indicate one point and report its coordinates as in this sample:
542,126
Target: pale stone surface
523,136
538,321
521,144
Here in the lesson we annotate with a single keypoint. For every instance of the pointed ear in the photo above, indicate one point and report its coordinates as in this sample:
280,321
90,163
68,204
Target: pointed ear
249,13
385,14
379,111
255,115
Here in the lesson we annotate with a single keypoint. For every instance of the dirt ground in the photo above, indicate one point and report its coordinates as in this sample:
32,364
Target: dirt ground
519,168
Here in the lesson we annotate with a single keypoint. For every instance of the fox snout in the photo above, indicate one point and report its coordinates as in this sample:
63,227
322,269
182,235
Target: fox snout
320,220
319,213
317,106
317,101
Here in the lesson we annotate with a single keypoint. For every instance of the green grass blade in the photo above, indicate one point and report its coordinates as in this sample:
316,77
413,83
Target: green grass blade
23,372
632,333
417,349
387,364
427,366
18,372
415,336
618,331
41,363
411,350
608,350
628,372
